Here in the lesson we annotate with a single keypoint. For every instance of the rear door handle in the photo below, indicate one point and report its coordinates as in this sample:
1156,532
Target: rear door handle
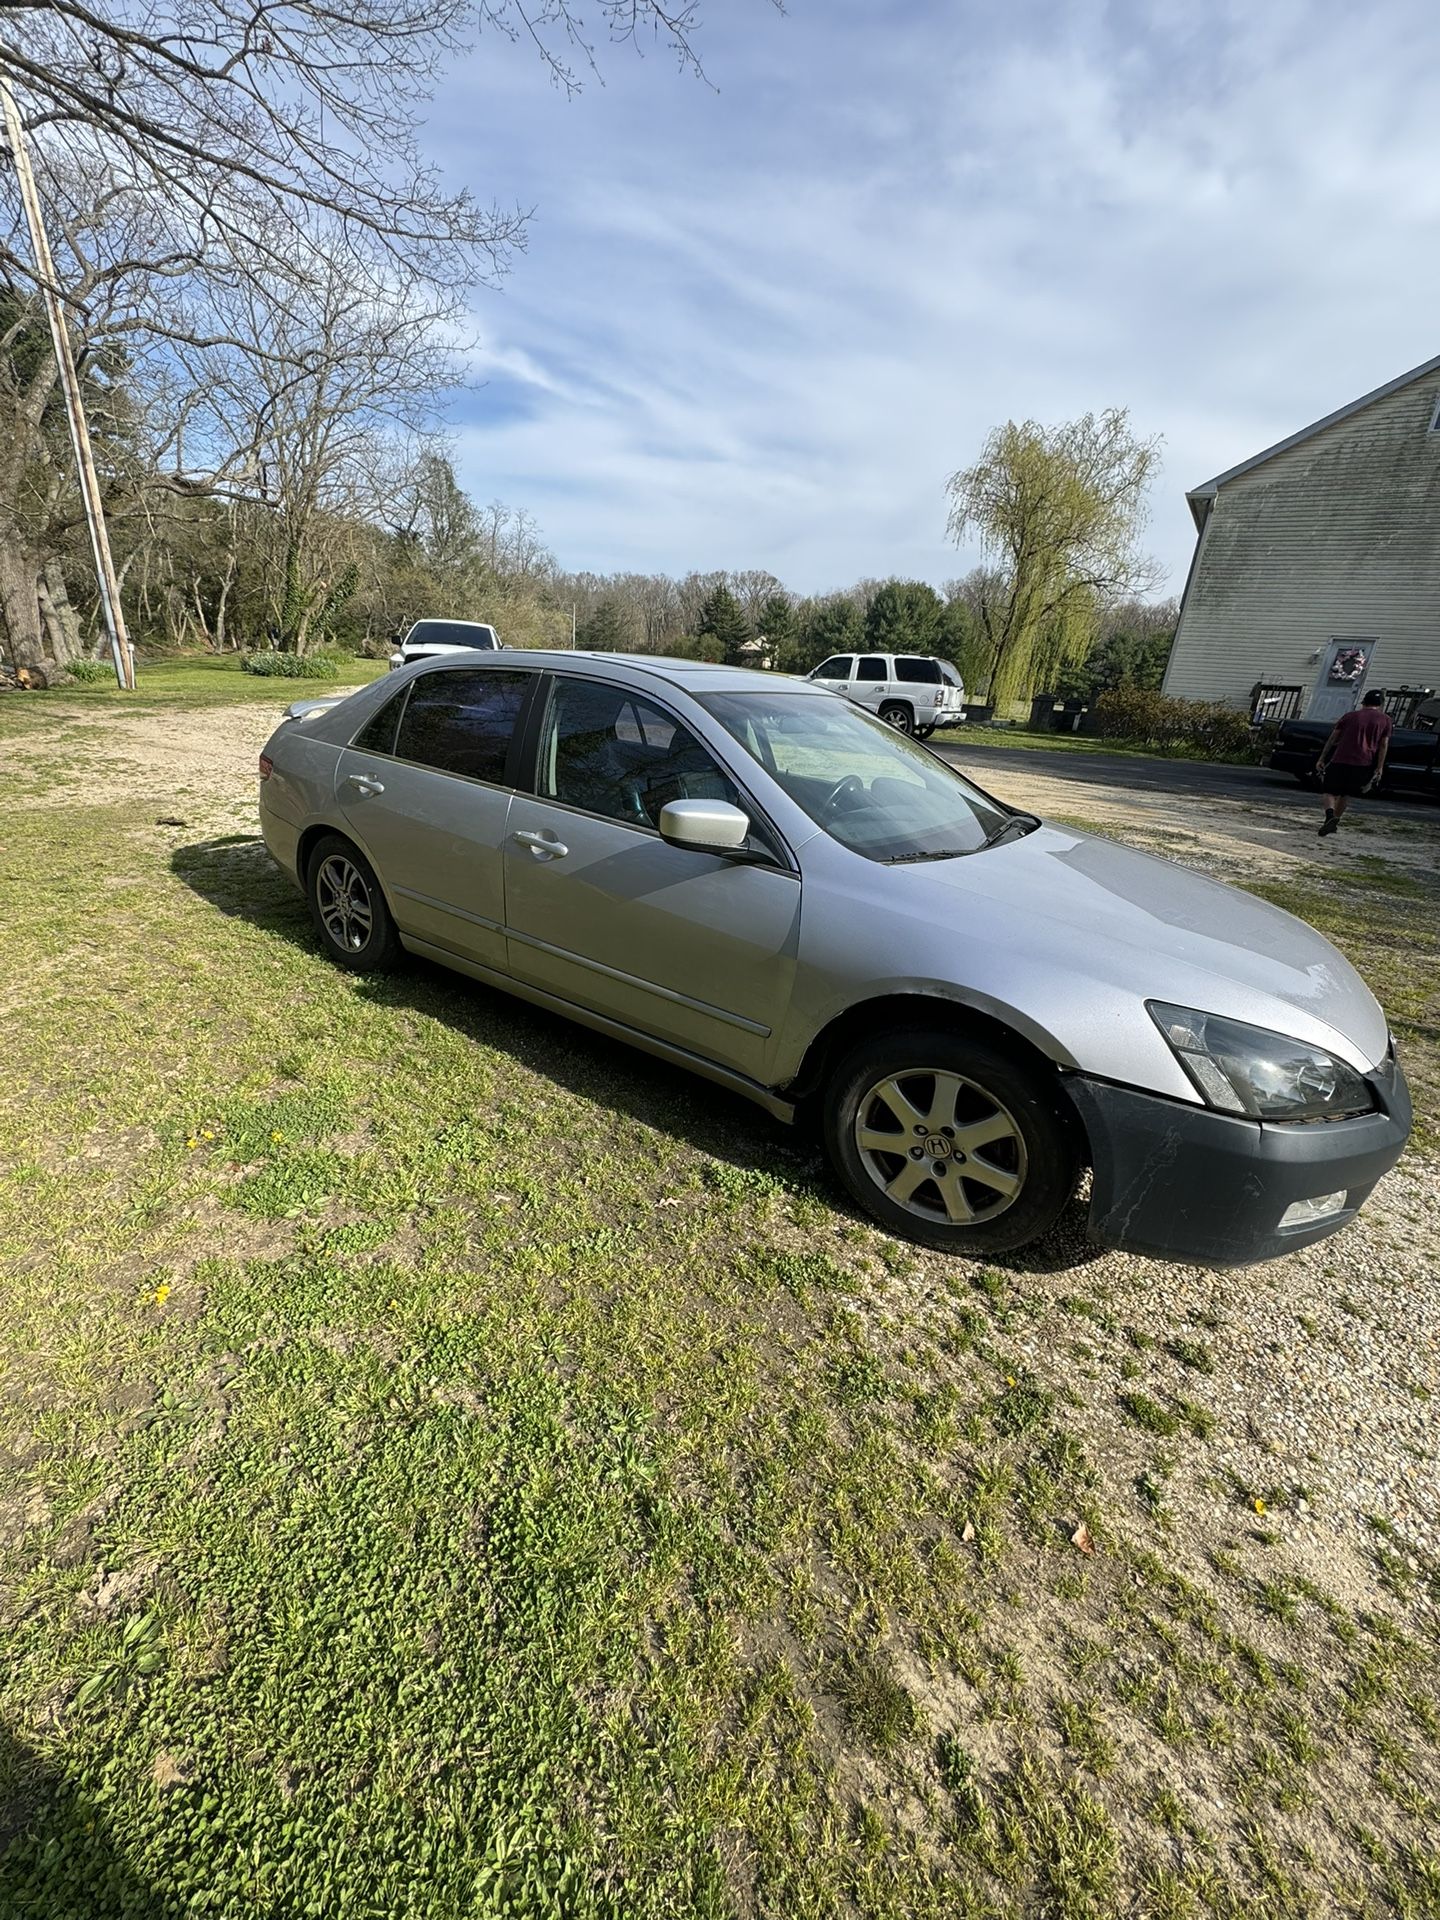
367,783
545,843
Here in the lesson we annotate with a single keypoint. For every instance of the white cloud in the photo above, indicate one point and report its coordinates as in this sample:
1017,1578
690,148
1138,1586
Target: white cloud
758,328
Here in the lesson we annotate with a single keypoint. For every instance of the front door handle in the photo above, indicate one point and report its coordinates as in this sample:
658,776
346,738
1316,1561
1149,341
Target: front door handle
545,843
366,782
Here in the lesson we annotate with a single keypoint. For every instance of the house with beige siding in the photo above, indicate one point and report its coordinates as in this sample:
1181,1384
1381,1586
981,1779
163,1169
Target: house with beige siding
1317,563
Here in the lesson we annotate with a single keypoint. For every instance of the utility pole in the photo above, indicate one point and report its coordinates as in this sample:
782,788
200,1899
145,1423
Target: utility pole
572,626
74,405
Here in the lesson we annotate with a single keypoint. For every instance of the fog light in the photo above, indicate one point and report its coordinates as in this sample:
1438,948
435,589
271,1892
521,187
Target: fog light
1307,1213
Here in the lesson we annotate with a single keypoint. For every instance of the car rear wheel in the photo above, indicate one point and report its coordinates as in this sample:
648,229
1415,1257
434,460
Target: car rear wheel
923,733
348,908
950,1141
898,716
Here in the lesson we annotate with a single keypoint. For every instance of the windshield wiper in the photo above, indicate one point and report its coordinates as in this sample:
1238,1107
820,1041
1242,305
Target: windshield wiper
997,833
934,853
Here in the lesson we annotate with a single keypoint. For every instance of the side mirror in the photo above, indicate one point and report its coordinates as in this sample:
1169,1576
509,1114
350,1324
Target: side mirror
712,826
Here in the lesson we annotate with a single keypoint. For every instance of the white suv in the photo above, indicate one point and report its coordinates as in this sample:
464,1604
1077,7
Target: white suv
430,638
915,692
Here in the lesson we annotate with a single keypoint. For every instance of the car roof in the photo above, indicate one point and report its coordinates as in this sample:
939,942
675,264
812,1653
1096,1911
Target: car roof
691,676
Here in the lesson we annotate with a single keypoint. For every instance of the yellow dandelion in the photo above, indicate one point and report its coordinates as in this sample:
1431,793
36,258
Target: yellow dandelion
207,1134
162,1293
1009,1379
1259,1506
277,1136
192,1143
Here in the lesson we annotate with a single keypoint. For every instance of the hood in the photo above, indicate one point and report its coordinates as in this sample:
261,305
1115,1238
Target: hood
1171,934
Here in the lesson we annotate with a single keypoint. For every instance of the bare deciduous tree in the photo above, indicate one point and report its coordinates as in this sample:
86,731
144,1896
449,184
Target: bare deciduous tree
332,377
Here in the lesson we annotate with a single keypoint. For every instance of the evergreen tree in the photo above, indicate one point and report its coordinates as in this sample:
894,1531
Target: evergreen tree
780,631
603,630
905,616
834,627
723,624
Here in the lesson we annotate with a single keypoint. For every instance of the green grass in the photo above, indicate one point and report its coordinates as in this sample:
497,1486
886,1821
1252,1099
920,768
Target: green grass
191,679
451,1466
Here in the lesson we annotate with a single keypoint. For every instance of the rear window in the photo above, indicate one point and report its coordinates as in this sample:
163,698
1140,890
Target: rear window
463,722
452,633
914,667
378,733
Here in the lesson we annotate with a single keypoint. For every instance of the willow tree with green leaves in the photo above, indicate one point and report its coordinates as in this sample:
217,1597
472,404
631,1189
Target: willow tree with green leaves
1058,513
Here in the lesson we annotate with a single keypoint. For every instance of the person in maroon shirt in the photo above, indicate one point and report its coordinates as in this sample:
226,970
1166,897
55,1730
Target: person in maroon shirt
1353,758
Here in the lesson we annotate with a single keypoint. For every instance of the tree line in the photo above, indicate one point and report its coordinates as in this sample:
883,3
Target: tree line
748,617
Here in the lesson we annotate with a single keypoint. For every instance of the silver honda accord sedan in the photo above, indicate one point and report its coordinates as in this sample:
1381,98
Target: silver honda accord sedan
749,876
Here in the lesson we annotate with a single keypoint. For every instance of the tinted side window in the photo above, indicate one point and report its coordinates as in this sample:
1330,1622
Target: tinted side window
917,669
837,667
378,733
603,749
872,667
462,722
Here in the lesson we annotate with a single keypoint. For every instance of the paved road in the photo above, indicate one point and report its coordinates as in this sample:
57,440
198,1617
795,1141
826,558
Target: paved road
1202,778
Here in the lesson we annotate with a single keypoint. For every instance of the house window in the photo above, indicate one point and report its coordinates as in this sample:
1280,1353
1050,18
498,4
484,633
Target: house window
1435,416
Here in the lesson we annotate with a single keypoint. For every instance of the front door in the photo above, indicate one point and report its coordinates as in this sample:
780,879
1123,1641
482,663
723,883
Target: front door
431,811
1343,673
690,947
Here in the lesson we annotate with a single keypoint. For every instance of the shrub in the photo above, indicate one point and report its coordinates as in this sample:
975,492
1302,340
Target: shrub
90,673
291,666
1203,727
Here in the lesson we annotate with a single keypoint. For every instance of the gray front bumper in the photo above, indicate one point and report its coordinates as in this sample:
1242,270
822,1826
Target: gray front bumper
1206,1188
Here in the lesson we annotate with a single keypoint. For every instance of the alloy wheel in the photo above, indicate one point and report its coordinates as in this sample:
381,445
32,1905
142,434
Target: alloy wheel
941,1147
343,898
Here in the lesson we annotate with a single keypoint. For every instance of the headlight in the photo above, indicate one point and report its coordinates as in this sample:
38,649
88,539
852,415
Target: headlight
1268,1076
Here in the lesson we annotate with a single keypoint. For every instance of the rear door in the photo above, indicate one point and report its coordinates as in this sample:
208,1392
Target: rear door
871,685
687,946
424,789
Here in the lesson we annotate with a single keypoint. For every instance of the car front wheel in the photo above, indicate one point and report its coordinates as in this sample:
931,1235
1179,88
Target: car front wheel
348,908
950,1141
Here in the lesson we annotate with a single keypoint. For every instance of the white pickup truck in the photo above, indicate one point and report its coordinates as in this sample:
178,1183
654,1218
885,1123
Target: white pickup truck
429,638
915,692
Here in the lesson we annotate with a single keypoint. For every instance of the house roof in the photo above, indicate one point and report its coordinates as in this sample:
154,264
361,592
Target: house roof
1201,496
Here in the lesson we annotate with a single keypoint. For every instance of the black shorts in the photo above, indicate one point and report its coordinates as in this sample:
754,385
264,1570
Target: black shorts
1347,780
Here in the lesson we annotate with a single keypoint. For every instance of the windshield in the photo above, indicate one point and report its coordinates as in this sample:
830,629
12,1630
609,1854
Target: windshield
451,633
869,787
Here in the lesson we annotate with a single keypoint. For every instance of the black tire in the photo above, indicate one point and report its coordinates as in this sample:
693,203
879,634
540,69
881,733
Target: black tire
357,932
923,733
1039,1149
899,716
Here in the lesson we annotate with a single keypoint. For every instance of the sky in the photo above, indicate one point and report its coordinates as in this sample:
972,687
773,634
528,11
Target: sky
762,316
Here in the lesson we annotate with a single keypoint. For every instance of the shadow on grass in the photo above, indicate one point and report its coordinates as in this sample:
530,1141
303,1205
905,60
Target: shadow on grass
236,875
58,1860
